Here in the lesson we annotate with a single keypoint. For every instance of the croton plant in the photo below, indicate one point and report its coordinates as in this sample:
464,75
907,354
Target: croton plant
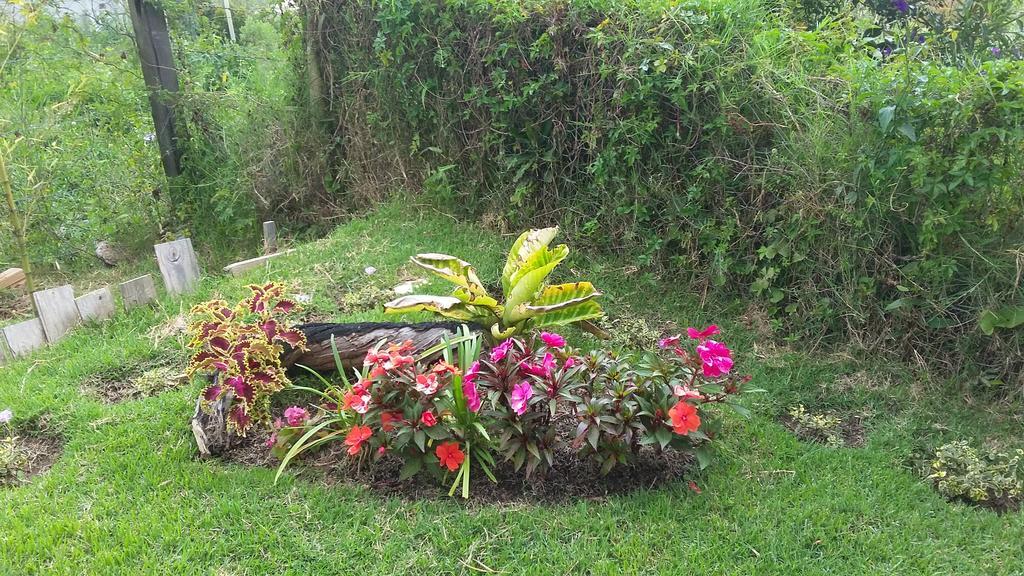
241,347
529,303
525,402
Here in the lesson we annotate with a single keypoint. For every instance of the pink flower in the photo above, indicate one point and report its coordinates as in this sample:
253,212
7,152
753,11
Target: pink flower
296,416
499,352
520,397
715,358
552,340
428,419
272,440
427,384
472,395
668,342
686,393
702,334
570,362
472,373
542,370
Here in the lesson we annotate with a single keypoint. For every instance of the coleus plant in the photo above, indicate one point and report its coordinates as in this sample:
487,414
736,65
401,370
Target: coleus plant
528,302
241,348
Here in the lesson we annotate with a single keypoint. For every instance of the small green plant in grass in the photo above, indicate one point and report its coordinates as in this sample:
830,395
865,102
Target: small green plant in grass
821,427
13,460
241,348
528,302
982,476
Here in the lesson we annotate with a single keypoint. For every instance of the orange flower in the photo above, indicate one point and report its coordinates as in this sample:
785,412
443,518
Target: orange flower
684,418
356,436
450,455
443,367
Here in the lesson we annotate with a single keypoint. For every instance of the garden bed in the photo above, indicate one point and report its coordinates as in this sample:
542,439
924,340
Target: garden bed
572,479
825,428
27,451
125,383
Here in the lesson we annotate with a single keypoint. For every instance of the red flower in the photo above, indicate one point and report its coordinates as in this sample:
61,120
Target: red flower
450,455
427,384
428,419
702,334
693,486
386,419
684,418
356,436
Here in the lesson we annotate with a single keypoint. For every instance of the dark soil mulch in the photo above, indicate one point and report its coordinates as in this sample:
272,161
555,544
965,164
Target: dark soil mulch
850,430
43,450
14,306
571,479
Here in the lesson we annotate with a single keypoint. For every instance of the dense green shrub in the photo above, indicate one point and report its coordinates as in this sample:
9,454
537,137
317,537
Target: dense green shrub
73,111
855,186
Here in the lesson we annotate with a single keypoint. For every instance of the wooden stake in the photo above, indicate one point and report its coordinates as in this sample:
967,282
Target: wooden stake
269,237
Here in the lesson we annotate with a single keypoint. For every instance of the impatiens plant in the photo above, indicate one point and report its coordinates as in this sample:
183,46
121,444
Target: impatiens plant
528,303
527,401
241,347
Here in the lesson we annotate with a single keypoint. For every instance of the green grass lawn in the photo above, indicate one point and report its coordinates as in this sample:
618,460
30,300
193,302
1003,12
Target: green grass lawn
129,497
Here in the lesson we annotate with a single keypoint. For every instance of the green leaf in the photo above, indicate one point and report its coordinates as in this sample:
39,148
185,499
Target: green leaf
703,455
561,296
741,410
452,269
663,436
528,286
421,440
522,249
411,468
1009,317
584,311
885,117
907,130
444,305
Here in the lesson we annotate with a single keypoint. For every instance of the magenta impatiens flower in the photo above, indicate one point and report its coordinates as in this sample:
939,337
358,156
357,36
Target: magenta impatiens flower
702,334
715,357
499,352
472,395
542,370
472,373
552,340
520,397
668,342
296,416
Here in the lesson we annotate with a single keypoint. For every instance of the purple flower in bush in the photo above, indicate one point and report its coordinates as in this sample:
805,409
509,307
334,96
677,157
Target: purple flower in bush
296,416
901,6
552,340
499,352
472,395
520,397
996,51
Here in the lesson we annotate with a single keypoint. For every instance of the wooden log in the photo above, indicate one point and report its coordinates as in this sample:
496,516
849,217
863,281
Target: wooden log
96,306
57,311
178,265
239,268
12,278
355,340
138,292
153,42
24,337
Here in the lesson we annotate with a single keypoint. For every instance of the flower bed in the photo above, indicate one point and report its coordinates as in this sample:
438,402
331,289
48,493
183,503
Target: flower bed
25,452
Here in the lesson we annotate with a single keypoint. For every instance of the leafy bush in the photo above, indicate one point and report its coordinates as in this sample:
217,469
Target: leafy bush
961,471
515,402
857,182
241,348
528,302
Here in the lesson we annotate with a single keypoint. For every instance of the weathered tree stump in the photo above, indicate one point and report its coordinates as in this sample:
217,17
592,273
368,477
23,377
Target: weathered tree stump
353,342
